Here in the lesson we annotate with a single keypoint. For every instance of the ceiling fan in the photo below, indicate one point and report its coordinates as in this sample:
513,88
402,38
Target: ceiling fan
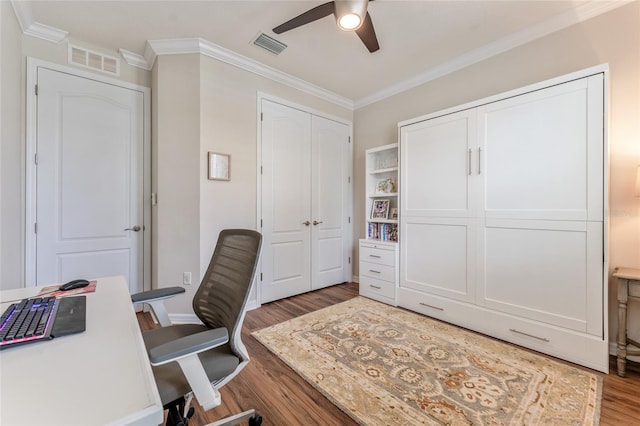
351,15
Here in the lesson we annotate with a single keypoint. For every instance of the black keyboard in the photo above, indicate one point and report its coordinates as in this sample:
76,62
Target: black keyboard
27,321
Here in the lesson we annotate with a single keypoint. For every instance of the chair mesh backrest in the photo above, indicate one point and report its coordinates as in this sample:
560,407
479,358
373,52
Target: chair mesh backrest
223,293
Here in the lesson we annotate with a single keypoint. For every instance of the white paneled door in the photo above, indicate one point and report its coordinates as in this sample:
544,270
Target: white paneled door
306,202
89,181
330,202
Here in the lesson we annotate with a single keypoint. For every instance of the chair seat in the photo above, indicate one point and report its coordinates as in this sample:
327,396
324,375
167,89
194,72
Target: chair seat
218,362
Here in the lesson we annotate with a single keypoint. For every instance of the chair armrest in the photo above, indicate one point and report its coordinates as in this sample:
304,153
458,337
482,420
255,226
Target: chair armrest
188,345
155,299
159,293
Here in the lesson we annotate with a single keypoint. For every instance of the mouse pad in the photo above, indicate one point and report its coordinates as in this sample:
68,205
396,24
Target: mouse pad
71,316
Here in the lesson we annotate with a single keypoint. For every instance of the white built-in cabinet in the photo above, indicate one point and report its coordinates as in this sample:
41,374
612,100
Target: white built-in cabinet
305,201
378,266
502,217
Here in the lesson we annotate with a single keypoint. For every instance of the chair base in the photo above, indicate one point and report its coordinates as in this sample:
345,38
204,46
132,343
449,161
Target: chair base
250,415
179,416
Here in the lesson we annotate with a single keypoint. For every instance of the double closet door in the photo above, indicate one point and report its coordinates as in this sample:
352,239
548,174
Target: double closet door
502,205
306,202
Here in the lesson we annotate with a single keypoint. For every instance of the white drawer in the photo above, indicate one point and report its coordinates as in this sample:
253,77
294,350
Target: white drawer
570,345
374,286
374,270
382,256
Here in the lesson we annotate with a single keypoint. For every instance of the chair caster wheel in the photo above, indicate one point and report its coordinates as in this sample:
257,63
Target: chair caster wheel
255,420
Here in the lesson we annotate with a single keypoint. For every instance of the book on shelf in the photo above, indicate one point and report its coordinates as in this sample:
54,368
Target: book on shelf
382,231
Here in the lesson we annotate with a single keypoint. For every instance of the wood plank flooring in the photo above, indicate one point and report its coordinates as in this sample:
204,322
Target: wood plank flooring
283,398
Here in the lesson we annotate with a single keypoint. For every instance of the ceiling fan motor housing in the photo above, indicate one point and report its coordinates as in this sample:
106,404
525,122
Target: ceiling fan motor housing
350,7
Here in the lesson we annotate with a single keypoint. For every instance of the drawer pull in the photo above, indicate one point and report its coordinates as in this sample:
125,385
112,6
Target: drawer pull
375,272
377,287
529,335
432,307
373,255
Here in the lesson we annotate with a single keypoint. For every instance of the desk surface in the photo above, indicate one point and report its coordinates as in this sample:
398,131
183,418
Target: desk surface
101,376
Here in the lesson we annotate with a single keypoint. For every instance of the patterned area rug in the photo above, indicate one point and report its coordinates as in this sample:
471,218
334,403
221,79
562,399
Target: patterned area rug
387,366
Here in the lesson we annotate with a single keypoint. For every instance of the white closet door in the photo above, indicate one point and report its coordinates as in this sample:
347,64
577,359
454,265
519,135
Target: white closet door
286,183
437,218
330,203
542,153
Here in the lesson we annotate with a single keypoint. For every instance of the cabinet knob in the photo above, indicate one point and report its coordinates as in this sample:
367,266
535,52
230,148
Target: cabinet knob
315,222
306,223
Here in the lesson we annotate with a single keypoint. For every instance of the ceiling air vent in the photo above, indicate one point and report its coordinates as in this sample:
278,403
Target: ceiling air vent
269,43
93,60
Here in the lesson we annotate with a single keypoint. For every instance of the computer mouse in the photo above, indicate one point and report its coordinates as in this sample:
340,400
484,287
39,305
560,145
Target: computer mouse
74,284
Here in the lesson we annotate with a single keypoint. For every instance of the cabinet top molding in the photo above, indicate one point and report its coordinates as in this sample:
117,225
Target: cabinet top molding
602,68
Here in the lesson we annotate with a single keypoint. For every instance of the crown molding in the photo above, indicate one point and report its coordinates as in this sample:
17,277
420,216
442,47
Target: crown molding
135,60
22,10
557,23
212,50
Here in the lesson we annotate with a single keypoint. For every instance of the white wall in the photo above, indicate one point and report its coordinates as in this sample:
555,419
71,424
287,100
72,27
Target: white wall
205,105
15,47
614,38
229,125
11,152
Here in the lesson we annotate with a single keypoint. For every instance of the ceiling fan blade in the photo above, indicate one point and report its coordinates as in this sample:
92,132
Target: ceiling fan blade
310,15
368,35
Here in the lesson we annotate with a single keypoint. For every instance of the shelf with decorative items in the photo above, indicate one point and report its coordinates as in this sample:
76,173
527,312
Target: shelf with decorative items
382,193
379,249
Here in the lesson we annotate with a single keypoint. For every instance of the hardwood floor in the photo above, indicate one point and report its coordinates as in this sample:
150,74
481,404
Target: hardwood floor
282,397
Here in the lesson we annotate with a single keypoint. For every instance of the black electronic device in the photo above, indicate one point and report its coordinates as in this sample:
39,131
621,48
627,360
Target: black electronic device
41,318
71,285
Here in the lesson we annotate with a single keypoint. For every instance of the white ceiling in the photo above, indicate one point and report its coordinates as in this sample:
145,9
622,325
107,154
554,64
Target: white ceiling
419,40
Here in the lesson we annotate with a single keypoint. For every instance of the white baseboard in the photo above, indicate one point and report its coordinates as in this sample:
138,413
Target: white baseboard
184,319
356,279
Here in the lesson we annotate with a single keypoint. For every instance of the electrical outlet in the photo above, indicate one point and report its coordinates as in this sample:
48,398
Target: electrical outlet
186,278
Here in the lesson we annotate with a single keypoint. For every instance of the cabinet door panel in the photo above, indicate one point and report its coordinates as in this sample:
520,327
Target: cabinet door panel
539,150
436,165
438,257
543,270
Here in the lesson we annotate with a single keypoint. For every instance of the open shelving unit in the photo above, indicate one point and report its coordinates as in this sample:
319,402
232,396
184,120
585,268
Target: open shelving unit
382,193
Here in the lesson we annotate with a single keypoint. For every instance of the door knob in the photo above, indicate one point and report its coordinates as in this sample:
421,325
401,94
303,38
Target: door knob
306,223
315,222
134,229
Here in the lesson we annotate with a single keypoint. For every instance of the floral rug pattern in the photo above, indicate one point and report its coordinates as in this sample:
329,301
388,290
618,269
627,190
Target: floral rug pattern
386,366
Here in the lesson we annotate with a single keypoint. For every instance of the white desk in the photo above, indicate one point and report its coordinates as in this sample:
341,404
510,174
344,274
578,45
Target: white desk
101,376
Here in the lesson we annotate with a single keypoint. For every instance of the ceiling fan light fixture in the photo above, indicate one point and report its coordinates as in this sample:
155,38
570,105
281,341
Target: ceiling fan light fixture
349,22
350,13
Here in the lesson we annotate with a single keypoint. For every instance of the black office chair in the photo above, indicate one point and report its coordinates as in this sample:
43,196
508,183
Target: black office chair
202,358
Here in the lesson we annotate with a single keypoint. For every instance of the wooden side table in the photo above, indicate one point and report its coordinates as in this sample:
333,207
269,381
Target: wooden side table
628,288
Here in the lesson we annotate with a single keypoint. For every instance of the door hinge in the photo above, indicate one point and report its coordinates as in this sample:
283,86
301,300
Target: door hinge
261,223
260,169
262,116
260,276
349,219
35,228
349,179
349,260
35,159
36,90
349,139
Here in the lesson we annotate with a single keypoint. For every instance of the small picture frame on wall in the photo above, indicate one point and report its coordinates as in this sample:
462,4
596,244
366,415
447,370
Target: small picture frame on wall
380,209
393,213
219,166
